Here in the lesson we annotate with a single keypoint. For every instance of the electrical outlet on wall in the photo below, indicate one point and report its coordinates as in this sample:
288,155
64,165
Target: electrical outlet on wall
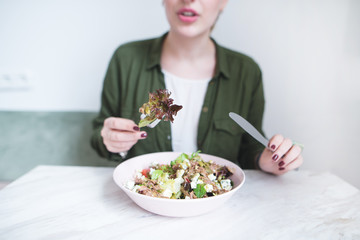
14,80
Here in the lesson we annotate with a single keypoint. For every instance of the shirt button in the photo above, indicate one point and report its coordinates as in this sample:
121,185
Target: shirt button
168,137
205,109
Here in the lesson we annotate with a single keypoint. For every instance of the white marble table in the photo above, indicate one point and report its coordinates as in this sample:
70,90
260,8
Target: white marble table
54,202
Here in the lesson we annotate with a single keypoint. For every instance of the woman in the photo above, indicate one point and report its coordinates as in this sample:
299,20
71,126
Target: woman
208,80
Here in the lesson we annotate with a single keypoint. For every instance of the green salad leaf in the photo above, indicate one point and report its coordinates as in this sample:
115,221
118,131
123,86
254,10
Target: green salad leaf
156,174
195,154
180,159
200,190
146,121
167,169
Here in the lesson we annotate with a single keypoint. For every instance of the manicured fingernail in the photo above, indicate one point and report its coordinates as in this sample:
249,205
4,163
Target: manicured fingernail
282,168
281,163
136,128
144,135
275,157
273,147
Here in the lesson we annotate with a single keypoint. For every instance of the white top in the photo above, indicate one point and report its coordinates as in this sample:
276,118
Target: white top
71,203
189,93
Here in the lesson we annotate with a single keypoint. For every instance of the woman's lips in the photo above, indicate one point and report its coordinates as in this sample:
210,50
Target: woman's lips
187,15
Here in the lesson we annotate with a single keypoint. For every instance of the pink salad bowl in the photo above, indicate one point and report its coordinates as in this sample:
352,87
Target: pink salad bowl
174,207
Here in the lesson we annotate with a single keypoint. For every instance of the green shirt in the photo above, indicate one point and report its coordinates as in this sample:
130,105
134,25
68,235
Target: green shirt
134,71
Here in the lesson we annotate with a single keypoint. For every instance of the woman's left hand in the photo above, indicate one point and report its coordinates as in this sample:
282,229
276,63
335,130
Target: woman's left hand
281,156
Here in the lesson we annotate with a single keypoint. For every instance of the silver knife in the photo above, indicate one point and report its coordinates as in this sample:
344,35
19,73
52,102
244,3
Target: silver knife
249,128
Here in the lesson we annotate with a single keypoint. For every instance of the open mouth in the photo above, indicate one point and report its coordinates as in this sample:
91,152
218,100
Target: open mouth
186,12
188,15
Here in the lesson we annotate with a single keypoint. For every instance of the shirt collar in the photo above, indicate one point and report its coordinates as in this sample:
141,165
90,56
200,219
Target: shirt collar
222,66
155,52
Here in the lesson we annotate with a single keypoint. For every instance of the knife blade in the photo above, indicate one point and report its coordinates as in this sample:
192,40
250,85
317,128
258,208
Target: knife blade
242,122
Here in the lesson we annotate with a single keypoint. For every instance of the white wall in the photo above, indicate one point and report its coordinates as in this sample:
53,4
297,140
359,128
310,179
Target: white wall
309,52
65,46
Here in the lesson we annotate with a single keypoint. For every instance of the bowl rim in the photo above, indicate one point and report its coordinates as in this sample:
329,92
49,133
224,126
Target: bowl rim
227,194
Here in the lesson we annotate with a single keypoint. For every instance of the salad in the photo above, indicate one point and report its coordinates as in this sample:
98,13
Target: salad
160,106
186,177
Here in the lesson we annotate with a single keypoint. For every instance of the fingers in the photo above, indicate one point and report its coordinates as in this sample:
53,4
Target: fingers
121,129
121,124
120,134
295,163
120,141
275,142
281,156
119,146
280,147
292,154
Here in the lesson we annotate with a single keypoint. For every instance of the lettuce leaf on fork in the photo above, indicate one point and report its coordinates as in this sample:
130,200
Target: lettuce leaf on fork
160,106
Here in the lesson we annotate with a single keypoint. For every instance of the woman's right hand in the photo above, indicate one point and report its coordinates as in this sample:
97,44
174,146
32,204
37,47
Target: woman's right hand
120,134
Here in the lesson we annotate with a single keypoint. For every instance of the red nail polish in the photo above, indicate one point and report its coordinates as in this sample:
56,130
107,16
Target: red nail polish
275,157
273,147
281,163
136,128
143,135
281,169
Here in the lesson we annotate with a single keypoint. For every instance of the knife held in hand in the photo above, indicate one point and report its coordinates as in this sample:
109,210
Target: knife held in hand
253,131
249,128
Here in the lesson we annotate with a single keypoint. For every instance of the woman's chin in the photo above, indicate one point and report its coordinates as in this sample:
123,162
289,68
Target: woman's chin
190,32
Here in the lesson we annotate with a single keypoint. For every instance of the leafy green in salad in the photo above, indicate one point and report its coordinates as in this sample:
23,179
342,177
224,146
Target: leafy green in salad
156,174
200,190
